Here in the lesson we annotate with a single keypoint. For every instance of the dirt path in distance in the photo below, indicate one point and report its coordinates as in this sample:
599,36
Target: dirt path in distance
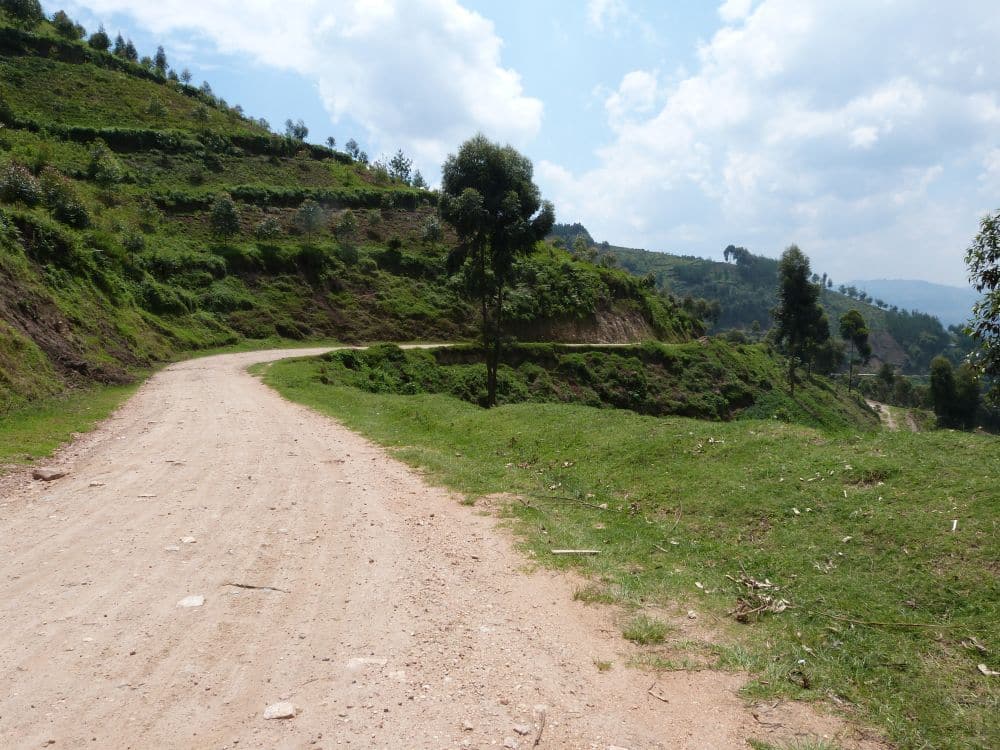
334,578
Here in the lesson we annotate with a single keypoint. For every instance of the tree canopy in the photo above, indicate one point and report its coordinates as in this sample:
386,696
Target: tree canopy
799,320
491,200
983,260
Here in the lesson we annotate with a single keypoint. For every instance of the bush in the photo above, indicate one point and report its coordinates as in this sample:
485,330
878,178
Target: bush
224,217
62,199
26,13
104,167
268,229
65,26
18,185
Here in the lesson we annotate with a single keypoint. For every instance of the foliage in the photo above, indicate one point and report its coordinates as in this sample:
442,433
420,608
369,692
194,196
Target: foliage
99,40
224,217
983,260
400,167
496,210
309,217
104,167
955,395
62,199
854,330
26,13
66,27
799,320
296,130
18,185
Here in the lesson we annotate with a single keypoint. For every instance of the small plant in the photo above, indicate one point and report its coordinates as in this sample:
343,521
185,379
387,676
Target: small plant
645,630
347,225
268,229
602,666
156,108
309,217
62,199
18,185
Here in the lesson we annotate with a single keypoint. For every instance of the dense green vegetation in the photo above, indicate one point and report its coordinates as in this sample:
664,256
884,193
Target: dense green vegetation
712,379
141,216
887,605
745,288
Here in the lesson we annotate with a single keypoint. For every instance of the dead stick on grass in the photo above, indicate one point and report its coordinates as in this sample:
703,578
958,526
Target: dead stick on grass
656,695
872,624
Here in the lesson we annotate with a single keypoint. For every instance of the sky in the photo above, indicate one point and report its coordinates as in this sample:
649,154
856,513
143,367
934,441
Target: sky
867,132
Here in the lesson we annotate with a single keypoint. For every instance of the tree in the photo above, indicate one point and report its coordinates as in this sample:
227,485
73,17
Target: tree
983,259
400,167
966,402
160,61
186,77
418,181
352,149
798,314
104,167
99,39
331,143
224,217
854,330
942,382
489,198
131,53
66,27
297,131
118,50
26,13
309,217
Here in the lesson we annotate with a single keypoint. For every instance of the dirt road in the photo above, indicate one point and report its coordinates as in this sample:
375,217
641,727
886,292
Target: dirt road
395,617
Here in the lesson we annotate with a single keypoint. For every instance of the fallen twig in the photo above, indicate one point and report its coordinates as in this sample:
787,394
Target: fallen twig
256,588
575,551
656,695
661,548
541,728
875,624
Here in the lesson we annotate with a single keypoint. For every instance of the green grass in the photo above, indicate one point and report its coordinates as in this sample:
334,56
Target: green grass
645,630
853,528
36,431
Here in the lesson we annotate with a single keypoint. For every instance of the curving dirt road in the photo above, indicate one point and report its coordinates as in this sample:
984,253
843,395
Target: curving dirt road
395,617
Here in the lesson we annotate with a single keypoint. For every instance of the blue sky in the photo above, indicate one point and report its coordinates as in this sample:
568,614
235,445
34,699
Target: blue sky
865,131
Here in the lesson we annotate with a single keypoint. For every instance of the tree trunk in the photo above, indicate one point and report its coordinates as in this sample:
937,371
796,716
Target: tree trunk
791,374
850,369
493,354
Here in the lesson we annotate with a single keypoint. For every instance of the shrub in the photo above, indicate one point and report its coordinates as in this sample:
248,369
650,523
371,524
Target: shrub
104,166
268,229
224,217
66,27
347,225
18,185
62,199
99,40
133,242
26,13
432,230
309,217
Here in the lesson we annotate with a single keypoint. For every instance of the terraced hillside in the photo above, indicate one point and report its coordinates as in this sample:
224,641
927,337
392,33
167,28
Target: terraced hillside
140,217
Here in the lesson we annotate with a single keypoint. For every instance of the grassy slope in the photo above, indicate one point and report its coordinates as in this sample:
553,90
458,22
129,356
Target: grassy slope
850,526
709,379
79,305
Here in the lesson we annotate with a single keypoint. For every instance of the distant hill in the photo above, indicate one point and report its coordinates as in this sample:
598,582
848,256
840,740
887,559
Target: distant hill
951,304
745,291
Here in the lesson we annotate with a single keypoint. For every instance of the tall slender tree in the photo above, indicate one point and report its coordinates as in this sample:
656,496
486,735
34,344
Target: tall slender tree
798,315
983,259
496,209
854,330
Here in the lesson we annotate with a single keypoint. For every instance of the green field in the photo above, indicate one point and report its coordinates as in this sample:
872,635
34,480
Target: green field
887,607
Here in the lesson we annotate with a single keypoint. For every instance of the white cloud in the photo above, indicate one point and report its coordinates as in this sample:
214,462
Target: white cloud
604,13
849,127
418,74
732,11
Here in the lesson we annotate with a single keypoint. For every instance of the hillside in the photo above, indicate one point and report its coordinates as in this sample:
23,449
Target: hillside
745,293
141,217
952,305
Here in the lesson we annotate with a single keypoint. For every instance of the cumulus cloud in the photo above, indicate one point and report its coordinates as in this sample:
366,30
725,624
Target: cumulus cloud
858,130
418,74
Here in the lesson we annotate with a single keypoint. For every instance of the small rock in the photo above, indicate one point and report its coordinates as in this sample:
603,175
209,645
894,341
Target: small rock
97,484
522,729
692,615
48,475
282,710
195,600
510,743
616,747
467,726
188,540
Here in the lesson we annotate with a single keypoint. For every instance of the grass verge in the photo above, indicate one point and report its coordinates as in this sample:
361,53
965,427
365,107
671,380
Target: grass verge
836,550
38,430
